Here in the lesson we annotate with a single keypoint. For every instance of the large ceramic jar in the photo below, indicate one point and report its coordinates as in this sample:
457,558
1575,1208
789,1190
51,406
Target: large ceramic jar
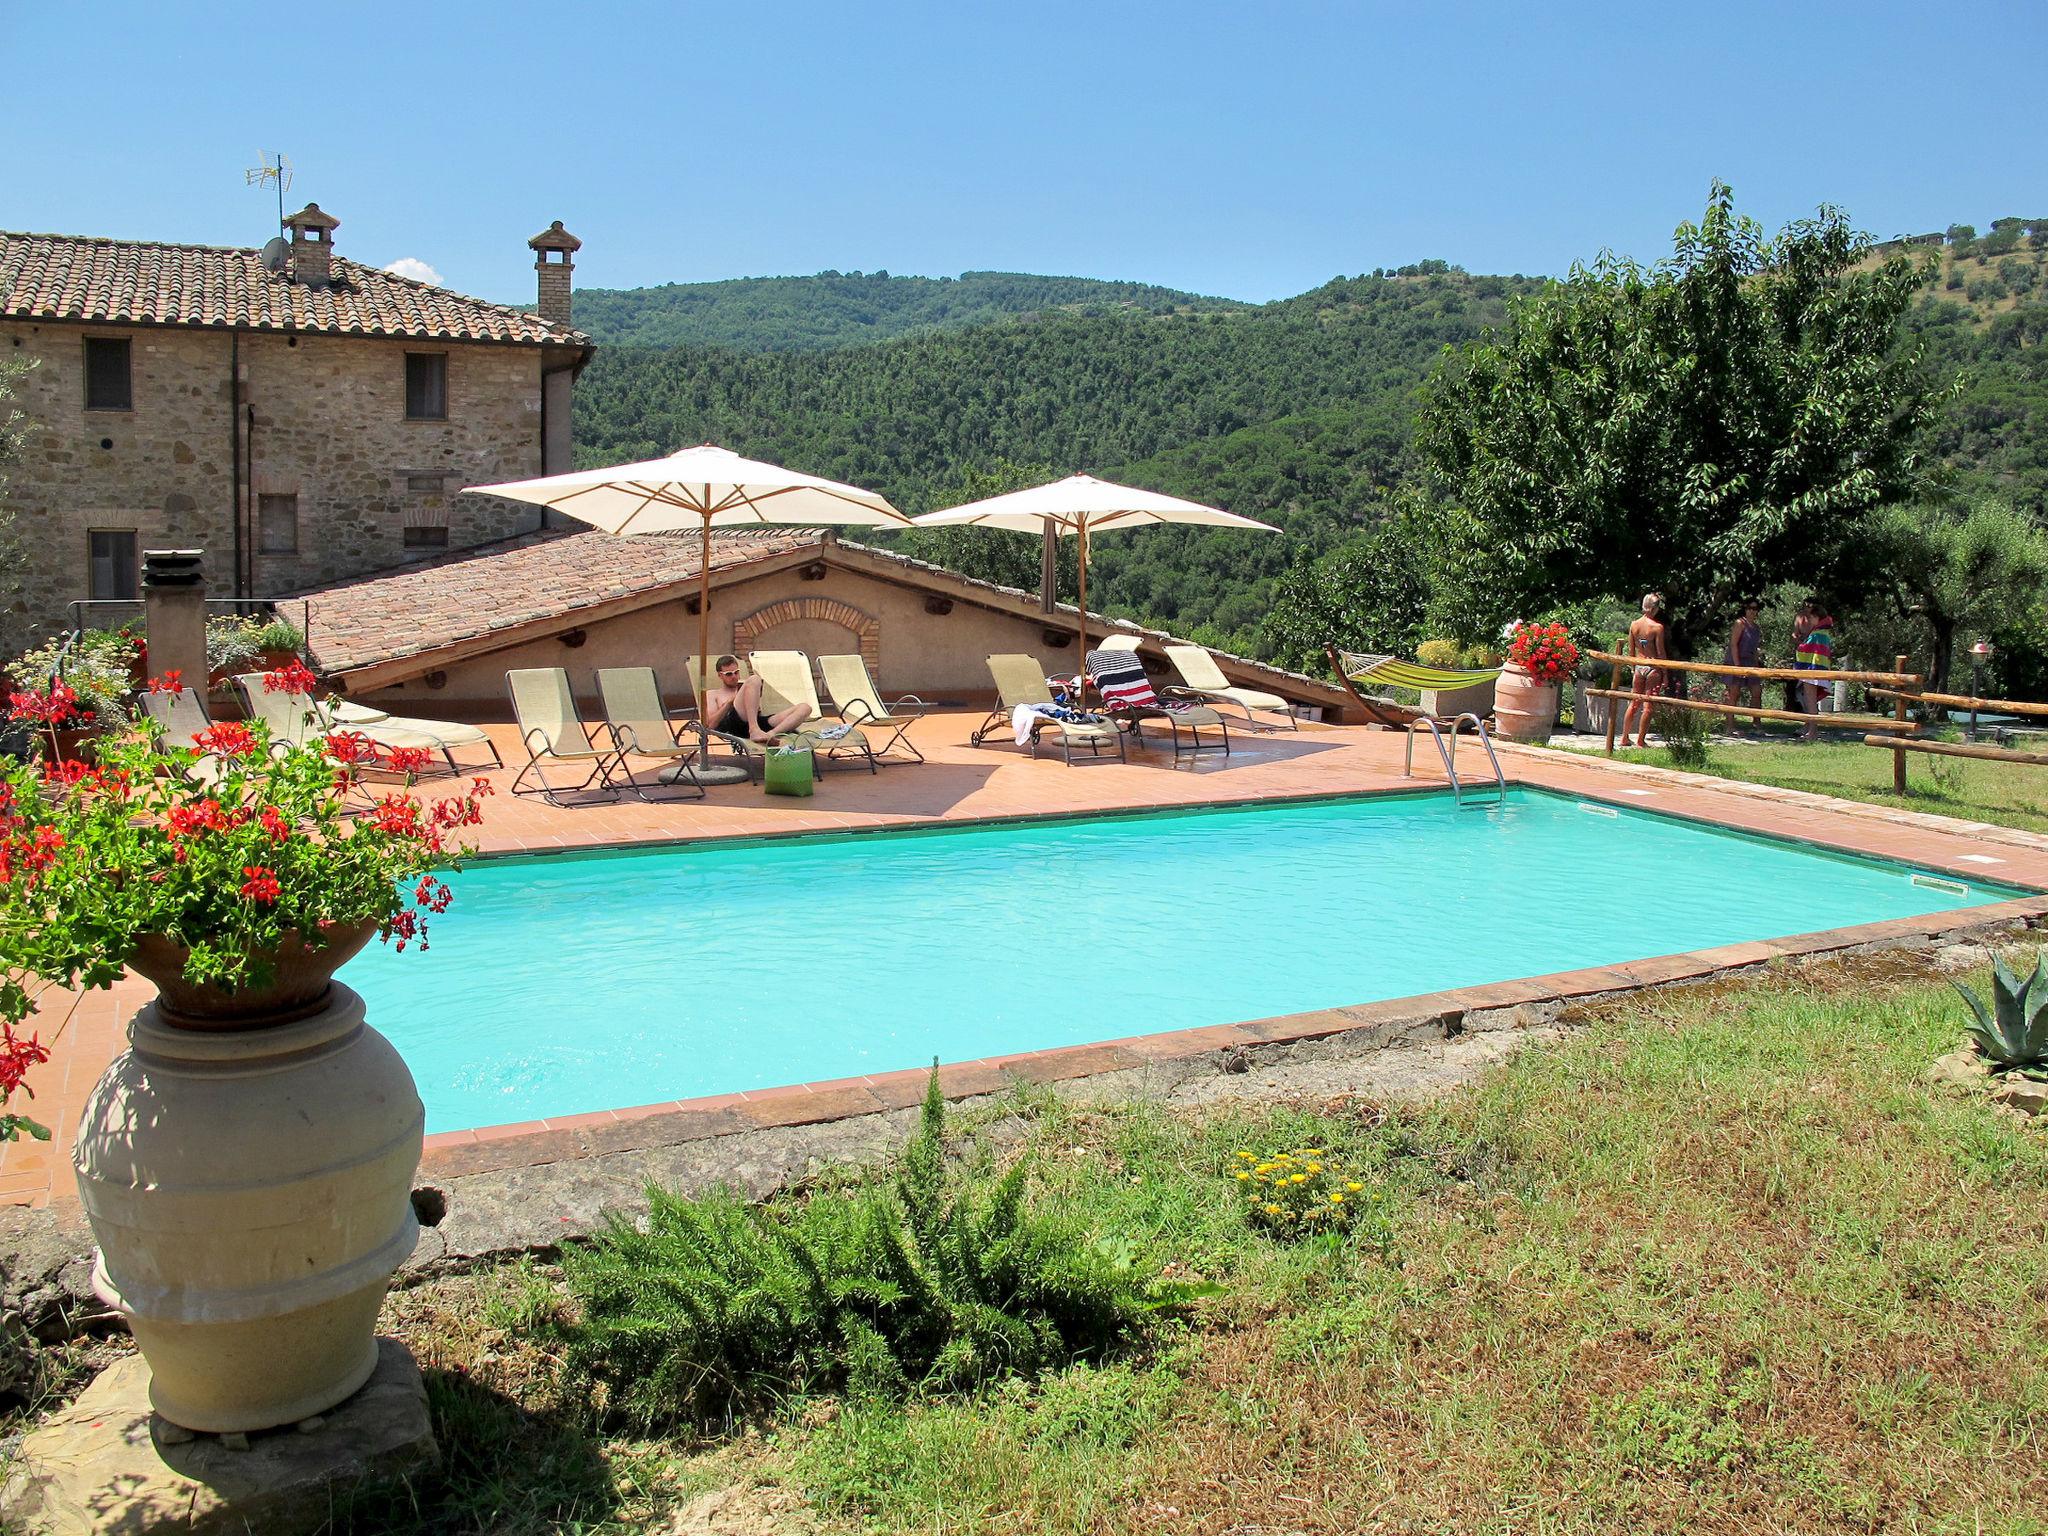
1524,709
250,1189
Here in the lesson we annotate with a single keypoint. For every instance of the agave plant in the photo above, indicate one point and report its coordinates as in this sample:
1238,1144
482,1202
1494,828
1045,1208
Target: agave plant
2013,1032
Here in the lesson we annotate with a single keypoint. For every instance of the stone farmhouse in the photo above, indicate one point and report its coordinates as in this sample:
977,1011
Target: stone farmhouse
299,416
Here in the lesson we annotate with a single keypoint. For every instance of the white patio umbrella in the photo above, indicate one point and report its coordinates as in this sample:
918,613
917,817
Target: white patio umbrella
700,488
1083,505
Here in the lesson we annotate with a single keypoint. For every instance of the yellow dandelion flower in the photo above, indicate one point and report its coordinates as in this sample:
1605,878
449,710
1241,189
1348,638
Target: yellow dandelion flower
1242,1174
1297,1178
1272,1210
1336,1199
1315,1167
1354,1186
1247,1157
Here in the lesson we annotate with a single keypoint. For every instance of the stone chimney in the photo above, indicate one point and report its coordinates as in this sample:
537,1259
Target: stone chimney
312,235
174,613
552,248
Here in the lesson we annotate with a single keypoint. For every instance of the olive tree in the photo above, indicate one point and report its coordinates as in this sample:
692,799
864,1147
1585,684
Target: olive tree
1967,570
1724,420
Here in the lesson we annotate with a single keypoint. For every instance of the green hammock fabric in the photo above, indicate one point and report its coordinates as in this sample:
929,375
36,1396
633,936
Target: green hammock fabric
1394,672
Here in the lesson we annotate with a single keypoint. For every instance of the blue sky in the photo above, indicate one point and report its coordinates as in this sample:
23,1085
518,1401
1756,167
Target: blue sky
1247,150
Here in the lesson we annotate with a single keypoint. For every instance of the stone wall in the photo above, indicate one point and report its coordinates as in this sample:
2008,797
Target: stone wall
330,427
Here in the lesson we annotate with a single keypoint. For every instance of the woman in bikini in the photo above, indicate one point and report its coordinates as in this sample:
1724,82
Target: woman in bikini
1646,643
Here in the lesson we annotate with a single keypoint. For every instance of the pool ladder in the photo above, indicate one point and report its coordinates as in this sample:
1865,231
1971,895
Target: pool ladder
1449,756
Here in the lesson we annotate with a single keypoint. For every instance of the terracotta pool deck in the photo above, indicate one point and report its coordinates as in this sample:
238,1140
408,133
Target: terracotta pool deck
960,783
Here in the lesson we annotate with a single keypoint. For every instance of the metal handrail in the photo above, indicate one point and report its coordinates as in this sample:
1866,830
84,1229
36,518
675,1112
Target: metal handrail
78,606
1449,760
1479,728
1449,754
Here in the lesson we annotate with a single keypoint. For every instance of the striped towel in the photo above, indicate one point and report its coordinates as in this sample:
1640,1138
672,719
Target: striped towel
1120,679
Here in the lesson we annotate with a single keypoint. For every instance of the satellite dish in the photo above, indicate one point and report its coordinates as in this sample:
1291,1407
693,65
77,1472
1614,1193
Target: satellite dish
276,254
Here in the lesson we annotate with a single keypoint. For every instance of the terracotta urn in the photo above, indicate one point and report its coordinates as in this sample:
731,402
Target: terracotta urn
1524,709
248,1175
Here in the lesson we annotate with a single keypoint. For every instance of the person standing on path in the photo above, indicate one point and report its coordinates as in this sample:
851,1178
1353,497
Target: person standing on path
1745,649
1802,625
1646,644
1816,654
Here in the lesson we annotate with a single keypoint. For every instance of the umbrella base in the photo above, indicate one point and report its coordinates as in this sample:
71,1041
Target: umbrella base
710,773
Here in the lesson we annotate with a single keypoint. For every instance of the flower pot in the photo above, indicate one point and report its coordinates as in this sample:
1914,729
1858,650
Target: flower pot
80,745
299,978
250,1194
1589,715
1523,709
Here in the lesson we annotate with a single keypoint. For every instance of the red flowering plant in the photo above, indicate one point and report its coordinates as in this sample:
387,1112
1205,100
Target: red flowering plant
231,850
1544,651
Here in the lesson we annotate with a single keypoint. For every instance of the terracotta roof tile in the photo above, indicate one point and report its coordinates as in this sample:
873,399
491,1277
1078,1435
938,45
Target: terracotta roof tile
423,608
551,577
135,282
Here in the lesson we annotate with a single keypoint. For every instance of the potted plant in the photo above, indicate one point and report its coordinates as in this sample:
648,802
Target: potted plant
278,644
247,1164
69,691
1539,658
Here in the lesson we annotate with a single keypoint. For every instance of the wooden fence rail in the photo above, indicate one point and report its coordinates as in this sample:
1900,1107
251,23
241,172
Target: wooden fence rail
1896,734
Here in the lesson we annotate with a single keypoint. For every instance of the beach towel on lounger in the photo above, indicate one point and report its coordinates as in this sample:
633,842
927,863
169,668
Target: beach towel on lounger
1025,717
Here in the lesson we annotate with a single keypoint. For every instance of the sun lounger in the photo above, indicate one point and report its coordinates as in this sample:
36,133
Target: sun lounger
640,726
181,716
786,679
297,719
1129,699
1203,679
859,702
552,732
1020,681
1121,642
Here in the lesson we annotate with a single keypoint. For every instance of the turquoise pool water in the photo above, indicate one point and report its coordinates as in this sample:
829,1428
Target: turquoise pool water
556,985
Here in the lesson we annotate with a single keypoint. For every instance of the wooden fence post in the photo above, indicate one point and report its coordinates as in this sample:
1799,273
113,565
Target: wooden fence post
1613,707
1899,713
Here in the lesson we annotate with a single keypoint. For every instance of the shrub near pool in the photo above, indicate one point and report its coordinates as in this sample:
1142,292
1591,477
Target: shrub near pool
876,1289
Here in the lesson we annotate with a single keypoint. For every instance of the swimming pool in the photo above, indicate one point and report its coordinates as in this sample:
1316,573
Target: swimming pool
564,983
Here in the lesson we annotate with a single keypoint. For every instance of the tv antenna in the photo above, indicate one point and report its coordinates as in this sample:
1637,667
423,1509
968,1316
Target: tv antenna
276,171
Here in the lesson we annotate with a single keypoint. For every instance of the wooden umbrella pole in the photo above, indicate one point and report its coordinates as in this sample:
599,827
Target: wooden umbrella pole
703,679
1081,549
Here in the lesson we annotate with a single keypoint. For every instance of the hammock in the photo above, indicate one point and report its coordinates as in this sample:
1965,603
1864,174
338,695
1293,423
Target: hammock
1391,671
1353,668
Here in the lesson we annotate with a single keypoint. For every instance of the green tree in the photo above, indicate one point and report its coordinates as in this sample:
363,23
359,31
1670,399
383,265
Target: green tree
999,555
1724,420
1964,572
1368,594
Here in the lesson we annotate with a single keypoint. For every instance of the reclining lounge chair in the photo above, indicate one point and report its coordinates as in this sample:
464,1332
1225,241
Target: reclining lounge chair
859,702
640,727
552,732
1129,699
1020,681
1205,680
786,679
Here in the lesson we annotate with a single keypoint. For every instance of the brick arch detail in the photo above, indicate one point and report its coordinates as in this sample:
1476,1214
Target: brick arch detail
867,629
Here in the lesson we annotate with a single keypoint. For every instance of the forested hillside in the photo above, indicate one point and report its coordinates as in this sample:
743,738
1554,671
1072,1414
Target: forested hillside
1299,412
1296,412
844,309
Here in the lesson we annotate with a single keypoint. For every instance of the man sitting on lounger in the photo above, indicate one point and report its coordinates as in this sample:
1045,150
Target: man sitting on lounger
735,709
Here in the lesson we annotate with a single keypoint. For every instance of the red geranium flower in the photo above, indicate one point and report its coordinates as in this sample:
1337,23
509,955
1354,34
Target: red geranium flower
409,760
260,883
230,738
295,678
53,708
170,682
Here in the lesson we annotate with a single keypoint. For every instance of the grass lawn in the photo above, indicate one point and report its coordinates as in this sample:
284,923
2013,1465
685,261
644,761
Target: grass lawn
2010,794
1722,1262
